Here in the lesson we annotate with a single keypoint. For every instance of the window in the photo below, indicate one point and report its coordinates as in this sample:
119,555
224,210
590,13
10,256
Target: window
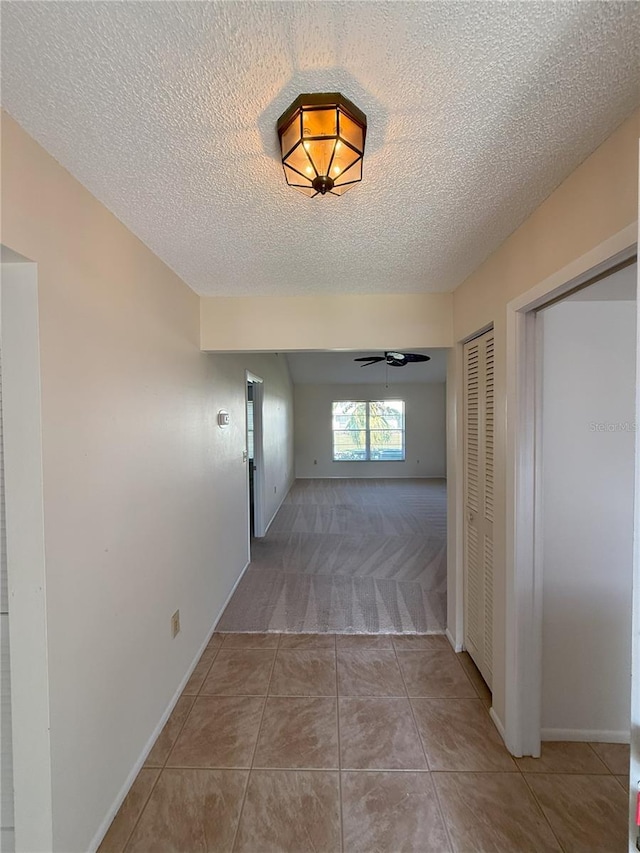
368,430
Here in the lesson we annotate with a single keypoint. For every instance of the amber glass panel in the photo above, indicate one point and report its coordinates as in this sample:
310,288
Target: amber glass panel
308,191
320,122
342,159
294,178
351,131
299,161
290,136
320,153
354,173
342,190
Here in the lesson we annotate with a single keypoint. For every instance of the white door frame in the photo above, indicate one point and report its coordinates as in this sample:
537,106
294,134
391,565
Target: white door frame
523,611
26,555
258,456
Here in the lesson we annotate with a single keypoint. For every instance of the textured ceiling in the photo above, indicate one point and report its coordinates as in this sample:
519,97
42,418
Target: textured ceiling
339,368
166,111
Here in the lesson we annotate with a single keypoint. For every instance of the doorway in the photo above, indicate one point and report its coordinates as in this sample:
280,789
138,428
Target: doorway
525,567
255,456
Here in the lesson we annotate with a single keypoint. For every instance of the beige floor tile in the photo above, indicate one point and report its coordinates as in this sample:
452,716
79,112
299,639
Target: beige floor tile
624,781
364,641
434,674
396,812
563,757
240,672
298,733
307,641
221,731
129,812
167,737
369,672
422,643
379,734
251,641
615,756
191,811
476,679
304,673
200,671
289,811
458,735
587,813
216,641
492,812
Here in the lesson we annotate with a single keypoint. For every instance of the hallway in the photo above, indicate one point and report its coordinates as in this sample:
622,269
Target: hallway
322,743
348,556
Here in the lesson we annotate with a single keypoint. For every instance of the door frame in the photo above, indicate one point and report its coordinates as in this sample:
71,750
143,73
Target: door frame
259,529
523,611
22,433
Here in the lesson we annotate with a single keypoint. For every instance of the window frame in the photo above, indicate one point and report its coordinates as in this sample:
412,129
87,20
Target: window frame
367,431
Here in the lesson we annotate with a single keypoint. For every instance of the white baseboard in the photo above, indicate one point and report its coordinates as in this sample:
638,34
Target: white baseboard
106,823
457,647
282,500
497,722
582,735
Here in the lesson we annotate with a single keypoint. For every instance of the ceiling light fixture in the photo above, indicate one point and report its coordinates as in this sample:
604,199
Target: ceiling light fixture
322,144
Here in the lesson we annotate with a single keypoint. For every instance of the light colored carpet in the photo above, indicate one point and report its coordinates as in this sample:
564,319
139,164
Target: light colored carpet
348,556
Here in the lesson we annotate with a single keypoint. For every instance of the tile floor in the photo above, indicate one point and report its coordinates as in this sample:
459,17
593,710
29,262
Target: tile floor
379,744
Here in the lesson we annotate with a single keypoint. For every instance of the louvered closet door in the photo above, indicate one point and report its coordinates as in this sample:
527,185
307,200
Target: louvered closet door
478,499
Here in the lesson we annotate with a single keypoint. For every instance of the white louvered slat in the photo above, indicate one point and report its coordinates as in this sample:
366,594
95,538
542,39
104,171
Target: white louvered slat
487,571
479,497
474,590
488,430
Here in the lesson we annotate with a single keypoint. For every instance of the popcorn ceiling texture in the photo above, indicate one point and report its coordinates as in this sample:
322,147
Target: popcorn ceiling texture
166,112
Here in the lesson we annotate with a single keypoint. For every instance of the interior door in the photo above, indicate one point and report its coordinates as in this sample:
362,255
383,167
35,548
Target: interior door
478,500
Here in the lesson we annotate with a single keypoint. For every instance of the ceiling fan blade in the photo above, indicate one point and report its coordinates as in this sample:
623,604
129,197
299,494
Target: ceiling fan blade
370,359
414,356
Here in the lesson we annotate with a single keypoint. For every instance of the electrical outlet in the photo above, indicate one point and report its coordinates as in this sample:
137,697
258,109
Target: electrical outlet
175,624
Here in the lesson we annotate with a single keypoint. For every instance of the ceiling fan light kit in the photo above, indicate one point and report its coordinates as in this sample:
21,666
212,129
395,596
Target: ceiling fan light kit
393,358
322,138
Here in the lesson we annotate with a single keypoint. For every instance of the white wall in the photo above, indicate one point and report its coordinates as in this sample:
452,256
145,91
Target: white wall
277,422
145,498
425,430
588,388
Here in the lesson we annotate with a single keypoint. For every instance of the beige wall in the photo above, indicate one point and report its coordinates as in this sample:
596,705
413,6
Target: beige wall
425,432
407,321
145,499
595,202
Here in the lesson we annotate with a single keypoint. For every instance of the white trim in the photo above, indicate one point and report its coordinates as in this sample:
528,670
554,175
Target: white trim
497,722
124,790
457,647
523,606
33,810
259,529
282,500
455,496
586,735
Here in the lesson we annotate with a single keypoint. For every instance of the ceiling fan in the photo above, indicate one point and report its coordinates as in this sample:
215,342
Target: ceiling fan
393,359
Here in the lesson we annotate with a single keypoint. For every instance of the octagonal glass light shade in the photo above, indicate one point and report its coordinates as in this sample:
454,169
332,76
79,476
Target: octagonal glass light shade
322,140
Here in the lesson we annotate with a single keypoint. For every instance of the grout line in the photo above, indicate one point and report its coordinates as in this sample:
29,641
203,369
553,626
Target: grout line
146,802
424,751
255,748
542,811
161,768
339,753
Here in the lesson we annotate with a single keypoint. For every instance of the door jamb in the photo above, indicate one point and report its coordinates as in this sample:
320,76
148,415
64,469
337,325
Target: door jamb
258,456
523,611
